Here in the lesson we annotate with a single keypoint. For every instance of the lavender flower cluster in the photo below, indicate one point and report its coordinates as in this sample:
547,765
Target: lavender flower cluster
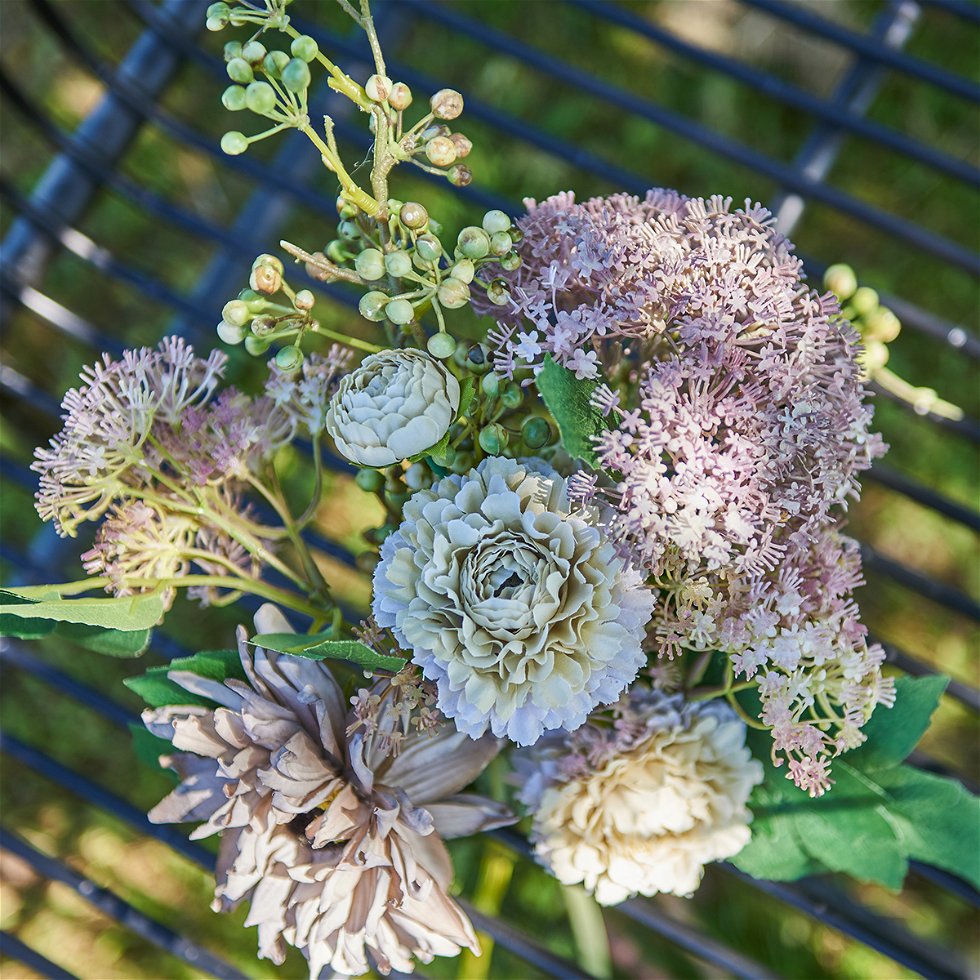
739,427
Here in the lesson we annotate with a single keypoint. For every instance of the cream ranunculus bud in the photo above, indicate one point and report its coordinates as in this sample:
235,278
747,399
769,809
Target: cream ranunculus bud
395,405
519,609
640,807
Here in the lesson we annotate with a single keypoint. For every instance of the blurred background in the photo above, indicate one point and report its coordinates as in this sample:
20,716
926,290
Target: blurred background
562,94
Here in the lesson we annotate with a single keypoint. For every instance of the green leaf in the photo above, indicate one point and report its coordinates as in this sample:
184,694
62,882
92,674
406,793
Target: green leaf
467,389
319,646
157,689
569,400
109,642
22,626
137,612
878,815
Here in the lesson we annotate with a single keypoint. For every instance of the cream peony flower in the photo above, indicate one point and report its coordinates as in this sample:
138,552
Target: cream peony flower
642,807
520,610
336,841
395,405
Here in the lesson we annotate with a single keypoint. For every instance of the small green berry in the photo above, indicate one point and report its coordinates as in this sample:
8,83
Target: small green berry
460,176
413,215
266,279
478,359
536,432
337,251
490,385
304,47
429,248
254,52
500,243
493,439
864,301
255,302
262,326
304,300
370,481
378,88
441,152
441,345
255,346
233,49
512,396
883,325
296,76
236,312
447,103
231,333
289,359
239,70
233,98
473,242
260,98
494,221
464,145
370,264
841,281
274,62
372,305
400,311
453,294
348,229
400,97
266,259
234,143
464,271
498,292
511,262
398,264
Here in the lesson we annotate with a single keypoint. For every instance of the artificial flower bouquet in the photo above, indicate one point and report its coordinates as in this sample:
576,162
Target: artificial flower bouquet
611,564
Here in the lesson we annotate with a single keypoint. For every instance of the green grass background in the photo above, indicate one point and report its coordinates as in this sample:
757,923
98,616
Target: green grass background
66,929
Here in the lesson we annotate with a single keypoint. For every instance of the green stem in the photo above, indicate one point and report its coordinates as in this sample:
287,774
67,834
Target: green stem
589,929
496,870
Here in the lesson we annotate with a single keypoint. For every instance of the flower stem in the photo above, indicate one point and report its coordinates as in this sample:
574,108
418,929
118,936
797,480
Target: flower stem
589,929
496,870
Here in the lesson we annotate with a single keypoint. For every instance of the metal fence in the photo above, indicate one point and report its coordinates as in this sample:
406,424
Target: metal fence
91,162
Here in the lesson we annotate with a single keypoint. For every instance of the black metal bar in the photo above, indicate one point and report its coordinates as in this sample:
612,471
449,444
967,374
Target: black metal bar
112,905
924,495
13,947
812,23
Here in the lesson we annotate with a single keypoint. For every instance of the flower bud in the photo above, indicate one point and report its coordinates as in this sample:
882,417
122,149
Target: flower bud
296,76
239,70
304,47
493,439
274,62
478,359
431,132
875,356
337,251
429,248
498,293
304,300
255,346
370,264
453,294
441,345
400,311
234,143
266,279
882,325
216,23
231,333
864,301
289,359
512,395
840,280
348,229
266,259
236,312
413,215
254,52
233,49
345,209
262,326
398,263
372,305
494,221
463,144
378,88
536,432
460,176
463,270
370,481
490,385
473,242
447,103
400,97
500,243
255,302
233,98
440,151
511,262
260,97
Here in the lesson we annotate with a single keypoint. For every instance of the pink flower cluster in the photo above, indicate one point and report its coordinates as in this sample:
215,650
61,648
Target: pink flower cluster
740,428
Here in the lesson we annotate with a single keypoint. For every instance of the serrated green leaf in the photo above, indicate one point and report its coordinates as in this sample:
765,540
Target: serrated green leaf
137,612
157,689
319,646
569,400
110,643
879,813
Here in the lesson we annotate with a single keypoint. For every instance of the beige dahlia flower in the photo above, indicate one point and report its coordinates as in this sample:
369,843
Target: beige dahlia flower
395,405
520,610
334,839
640,808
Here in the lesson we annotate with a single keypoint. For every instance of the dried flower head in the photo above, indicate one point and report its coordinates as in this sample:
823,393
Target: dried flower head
336,841
520,610
641,807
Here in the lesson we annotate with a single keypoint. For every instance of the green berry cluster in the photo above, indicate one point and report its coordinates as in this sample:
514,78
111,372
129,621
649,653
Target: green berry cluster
239,13
877,324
